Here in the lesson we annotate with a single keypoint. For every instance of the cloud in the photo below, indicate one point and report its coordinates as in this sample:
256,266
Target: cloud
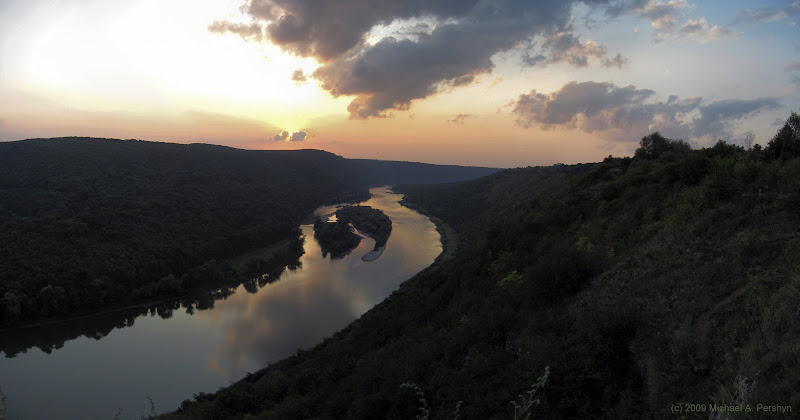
328,30
387,54
628,112
252,31
299,77
459,119
393,73
699,31
283,135
662,15
618,61
768,15
496,81
298,136
794,70
566,47
386,69
258,9
717,116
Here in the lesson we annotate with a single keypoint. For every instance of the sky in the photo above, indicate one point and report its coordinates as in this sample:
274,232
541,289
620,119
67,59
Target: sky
502,83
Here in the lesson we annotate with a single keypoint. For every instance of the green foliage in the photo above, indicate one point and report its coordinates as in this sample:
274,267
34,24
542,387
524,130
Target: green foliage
786,143
512,279
335,238
522,411
92,223
424,413
654,145
615,275
368,220
89,224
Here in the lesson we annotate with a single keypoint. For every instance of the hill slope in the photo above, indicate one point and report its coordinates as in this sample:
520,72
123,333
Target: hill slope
92,223
387,172
641,283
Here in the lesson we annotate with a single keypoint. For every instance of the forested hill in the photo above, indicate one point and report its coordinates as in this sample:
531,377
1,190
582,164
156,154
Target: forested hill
387,172
87,223
632,286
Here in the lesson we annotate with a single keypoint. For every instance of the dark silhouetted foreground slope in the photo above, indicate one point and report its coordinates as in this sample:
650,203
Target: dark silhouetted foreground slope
644,282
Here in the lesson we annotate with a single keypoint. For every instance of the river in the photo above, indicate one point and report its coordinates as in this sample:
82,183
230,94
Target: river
94,366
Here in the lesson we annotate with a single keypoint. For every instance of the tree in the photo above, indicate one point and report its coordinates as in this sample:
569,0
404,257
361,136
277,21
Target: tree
52,299
786,143
653,145
11,303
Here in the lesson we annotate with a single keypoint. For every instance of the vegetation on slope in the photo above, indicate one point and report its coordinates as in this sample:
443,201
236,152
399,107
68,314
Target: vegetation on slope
388,172
335,238
87,224
338,239
369,221
644,282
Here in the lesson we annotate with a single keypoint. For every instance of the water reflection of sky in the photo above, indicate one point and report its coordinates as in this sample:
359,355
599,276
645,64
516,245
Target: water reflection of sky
171,359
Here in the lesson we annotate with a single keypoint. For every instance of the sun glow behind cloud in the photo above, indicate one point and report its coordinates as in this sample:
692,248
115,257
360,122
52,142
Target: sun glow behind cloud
140,58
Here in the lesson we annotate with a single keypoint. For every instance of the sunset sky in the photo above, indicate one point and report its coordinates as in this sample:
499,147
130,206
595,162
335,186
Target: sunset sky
478,82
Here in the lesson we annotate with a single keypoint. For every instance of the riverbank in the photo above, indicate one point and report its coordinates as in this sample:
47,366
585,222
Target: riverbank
238,262
448,235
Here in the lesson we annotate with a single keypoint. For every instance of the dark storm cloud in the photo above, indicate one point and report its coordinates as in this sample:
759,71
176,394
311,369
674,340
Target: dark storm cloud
392,73
451,47
716,116
595,106
329,29
251,31
451,41
283,135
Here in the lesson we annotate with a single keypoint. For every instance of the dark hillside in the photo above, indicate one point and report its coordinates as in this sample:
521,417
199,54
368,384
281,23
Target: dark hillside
89,222
387,172
642,283
474,206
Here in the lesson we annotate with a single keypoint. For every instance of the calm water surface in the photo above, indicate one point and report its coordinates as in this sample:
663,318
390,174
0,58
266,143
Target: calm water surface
119,359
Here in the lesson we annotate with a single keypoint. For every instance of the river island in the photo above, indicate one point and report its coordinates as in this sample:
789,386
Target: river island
338,237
